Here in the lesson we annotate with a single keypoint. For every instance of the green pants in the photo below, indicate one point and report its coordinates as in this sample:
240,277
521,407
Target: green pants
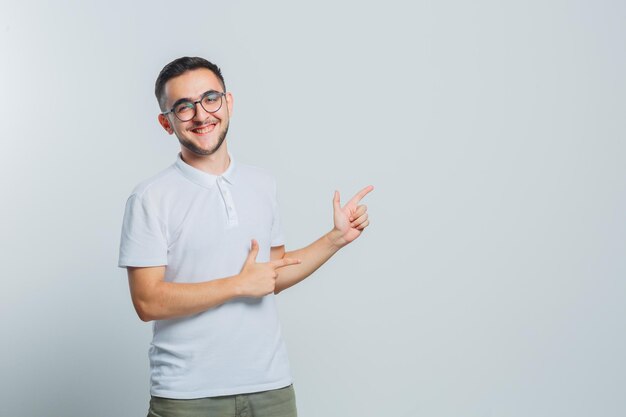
276,403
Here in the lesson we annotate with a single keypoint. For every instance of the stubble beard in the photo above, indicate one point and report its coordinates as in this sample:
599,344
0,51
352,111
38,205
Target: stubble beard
204,152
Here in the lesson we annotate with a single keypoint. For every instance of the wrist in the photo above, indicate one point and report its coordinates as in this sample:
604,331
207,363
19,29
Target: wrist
236,287
335,237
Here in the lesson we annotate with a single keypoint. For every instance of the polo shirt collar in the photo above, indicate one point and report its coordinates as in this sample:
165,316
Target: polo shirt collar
204,178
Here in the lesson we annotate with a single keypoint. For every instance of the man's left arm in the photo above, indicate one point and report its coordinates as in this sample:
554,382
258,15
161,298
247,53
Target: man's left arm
349,223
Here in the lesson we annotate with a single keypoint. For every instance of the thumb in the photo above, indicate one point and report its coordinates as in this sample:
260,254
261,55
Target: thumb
336,203
254,250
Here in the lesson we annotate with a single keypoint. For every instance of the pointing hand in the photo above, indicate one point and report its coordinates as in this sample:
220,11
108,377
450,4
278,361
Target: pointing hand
351,219
259,279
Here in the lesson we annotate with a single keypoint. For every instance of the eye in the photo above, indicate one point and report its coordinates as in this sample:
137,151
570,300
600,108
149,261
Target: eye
211,98
184,107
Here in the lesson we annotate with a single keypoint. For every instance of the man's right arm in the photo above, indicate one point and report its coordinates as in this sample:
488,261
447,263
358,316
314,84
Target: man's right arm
156,299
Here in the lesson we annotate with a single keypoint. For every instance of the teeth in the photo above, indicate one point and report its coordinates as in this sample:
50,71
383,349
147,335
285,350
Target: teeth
204,129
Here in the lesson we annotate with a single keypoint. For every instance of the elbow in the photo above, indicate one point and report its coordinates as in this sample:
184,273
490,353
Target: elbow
144,311
148,305
144,317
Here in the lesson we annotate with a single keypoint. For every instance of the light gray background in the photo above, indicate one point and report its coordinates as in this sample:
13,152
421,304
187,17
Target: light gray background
491,281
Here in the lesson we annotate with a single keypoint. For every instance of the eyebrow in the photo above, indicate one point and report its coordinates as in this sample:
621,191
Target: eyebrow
184,99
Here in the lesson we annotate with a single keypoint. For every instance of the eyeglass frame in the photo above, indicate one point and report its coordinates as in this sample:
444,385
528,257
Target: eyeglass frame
195,111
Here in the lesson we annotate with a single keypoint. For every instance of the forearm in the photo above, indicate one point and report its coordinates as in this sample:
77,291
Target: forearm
312,257
170,300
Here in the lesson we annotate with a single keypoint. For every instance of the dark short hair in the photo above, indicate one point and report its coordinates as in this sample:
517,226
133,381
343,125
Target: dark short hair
178,67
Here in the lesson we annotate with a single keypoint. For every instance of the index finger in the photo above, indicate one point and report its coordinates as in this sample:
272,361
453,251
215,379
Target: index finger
279,263
358,196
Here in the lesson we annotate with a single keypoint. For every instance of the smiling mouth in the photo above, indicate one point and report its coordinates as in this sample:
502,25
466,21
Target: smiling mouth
204,129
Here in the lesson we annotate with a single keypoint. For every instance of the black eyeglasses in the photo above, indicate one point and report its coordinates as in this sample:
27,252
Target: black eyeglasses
185,110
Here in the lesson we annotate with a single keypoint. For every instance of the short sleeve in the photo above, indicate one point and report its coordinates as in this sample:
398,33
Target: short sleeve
143,241
278,237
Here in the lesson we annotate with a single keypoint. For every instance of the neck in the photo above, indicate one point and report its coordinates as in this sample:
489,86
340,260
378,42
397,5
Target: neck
215,164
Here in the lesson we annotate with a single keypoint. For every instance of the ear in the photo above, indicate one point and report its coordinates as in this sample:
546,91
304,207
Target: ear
165,123
229,103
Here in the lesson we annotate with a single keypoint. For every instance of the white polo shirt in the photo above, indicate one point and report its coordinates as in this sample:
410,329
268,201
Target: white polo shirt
200,227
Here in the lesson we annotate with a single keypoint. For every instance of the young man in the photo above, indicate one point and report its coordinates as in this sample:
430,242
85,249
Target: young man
204,249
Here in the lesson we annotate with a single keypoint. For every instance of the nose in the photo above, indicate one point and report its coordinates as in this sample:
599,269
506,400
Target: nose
200,113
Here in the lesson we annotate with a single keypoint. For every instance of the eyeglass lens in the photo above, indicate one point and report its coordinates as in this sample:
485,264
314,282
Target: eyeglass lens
186,110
